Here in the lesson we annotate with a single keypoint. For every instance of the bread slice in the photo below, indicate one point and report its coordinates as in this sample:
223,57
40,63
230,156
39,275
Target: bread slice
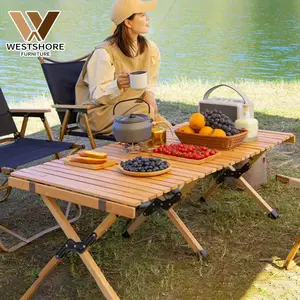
87,160
93,154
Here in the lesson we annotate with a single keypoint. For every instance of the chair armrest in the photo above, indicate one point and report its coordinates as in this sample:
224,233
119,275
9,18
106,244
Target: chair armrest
74,108
29,110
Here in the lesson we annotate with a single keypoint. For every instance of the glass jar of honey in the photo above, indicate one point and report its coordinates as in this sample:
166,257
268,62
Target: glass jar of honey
159,134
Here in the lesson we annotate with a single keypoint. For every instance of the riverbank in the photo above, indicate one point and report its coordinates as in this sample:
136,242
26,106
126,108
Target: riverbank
270,98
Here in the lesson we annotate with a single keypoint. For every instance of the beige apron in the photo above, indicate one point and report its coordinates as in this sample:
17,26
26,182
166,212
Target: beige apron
101,117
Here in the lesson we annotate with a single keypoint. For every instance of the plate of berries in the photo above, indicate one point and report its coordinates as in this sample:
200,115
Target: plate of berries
145,166
192,154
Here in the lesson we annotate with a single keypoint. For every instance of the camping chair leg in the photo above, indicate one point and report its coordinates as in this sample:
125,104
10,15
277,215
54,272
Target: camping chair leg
25,241
49,133
7,189
24,126
86,257
295,182
64,125
290,262
89,131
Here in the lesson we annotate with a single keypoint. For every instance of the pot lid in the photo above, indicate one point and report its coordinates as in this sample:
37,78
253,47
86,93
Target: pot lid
133,118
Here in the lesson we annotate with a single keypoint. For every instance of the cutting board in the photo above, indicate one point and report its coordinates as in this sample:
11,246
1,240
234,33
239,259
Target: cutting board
108,163
186,160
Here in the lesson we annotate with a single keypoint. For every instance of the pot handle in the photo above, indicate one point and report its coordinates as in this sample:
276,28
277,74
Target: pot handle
131,100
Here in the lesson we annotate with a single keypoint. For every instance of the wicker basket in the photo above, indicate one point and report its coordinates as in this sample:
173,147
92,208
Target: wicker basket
226,142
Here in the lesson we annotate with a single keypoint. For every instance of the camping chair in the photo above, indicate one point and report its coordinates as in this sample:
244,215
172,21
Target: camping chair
290,261
18,151
61,78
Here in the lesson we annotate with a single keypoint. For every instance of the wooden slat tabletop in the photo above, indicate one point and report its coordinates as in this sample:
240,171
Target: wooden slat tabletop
113,186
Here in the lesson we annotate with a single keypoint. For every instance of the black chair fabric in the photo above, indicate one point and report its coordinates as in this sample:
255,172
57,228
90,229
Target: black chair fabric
97,136
61,79
7,124
25,150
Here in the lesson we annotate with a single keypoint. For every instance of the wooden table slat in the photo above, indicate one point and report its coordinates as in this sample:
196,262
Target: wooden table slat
108,174
105,180
72,186
165,179
115,188
75,197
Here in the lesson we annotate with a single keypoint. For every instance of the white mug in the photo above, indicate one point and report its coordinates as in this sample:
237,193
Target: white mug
138,80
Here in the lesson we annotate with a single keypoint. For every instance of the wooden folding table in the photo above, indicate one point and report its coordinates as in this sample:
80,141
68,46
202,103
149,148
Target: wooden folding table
119,195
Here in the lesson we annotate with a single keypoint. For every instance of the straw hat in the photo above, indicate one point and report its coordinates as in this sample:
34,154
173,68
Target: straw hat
123,9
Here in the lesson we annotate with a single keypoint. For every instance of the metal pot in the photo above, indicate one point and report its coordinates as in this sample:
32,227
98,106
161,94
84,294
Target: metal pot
134,128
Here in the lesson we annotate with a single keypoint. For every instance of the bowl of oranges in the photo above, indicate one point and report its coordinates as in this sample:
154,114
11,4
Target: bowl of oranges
211,129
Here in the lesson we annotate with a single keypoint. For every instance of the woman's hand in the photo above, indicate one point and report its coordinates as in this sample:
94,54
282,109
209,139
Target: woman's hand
149,98
123,80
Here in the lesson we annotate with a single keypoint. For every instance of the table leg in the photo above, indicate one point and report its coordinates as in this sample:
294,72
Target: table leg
238,178
135,225
209,192
86,257
255,195
185,232
168,205
41,277
289,262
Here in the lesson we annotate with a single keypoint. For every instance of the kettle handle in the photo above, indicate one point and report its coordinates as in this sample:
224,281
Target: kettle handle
131,100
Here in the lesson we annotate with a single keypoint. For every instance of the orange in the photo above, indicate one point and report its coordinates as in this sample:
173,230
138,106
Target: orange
206,131
197,121
219,132
186,129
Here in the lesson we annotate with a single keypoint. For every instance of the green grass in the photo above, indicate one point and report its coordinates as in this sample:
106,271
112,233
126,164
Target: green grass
156,263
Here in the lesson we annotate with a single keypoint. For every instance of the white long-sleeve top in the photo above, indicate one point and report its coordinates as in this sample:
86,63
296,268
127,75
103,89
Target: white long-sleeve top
100,75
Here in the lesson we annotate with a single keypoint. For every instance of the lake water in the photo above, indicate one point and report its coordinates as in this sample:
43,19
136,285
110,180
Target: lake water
216,40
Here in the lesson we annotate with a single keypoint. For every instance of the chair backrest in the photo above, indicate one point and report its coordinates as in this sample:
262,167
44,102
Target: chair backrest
7,124
61,78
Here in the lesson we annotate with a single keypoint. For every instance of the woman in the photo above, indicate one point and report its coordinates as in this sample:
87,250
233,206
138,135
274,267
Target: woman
104,80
